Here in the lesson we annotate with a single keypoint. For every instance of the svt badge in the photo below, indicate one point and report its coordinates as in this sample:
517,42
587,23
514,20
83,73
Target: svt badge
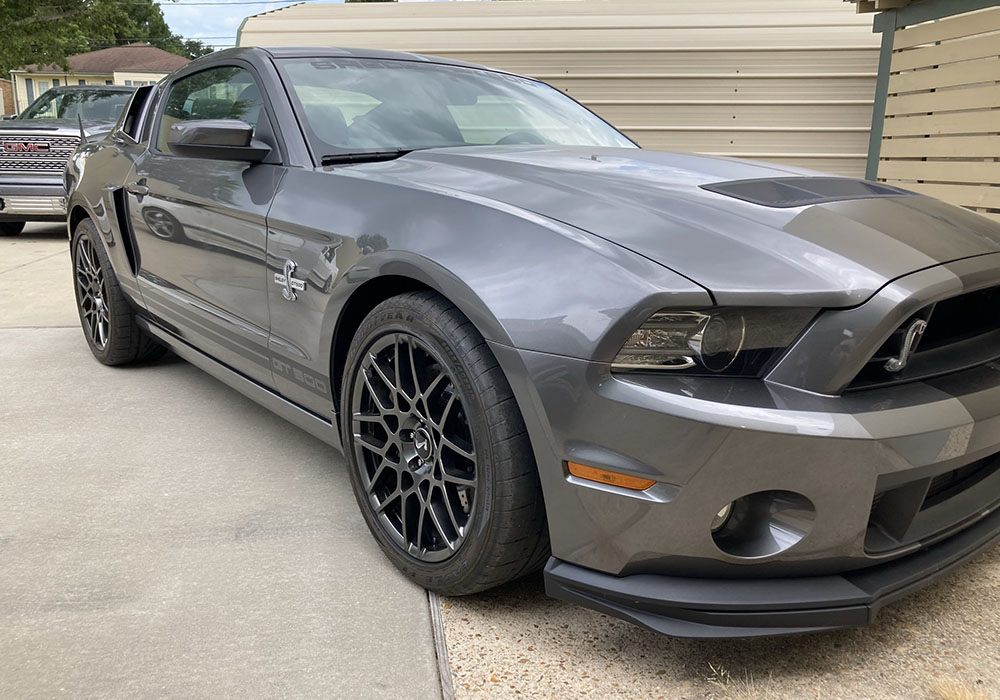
290,284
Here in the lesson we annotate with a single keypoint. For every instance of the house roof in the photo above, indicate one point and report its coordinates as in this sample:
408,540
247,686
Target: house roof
881,5
130,57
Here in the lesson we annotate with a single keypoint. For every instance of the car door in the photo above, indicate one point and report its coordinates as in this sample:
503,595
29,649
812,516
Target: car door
200,223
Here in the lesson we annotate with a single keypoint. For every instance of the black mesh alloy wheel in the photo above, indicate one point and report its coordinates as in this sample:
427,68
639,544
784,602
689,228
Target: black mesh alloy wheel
107,318
414,447
440,461
91,293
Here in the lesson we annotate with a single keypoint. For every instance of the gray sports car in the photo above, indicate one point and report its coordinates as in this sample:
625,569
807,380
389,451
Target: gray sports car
713,397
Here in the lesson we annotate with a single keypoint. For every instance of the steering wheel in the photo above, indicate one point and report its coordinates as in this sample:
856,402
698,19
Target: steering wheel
520,137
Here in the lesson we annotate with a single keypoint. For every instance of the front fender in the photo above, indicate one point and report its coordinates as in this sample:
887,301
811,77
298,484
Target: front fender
93,174
524,280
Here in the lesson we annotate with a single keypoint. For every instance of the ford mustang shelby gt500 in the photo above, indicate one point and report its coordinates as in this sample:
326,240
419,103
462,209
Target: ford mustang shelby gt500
712,397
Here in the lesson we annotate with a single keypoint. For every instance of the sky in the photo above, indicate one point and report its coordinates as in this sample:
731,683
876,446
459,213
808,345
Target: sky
215,21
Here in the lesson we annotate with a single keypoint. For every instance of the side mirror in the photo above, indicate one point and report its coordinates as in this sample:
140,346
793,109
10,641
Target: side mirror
217,139
8,117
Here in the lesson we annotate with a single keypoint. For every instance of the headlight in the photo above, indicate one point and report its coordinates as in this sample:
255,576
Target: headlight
728,341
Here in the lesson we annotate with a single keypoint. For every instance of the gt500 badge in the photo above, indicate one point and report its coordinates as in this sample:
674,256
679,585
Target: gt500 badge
290,284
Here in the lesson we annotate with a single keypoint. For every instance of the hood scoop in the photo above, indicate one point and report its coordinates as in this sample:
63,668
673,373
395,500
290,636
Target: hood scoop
786,192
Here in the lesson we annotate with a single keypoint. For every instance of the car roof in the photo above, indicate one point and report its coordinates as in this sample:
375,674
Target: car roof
343,52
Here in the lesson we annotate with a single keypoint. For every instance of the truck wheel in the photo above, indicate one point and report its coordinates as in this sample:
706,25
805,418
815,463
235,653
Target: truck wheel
11,228
107,318
437,449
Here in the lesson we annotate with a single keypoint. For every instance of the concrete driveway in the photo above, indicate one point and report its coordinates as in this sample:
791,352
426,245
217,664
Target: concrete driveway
163,537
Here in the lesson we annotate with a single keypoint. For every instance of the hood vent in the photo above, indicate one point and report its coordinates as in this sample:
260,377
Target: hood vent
786,192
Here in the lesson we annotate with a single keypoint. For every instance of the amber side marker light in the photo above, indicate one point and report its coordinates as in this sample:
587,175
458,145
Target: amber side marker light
611,478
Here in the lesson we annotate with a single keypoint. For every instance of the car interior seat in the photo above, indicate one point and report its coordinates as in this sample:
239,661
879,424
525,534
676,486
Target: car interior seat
394,123
247,106
328,123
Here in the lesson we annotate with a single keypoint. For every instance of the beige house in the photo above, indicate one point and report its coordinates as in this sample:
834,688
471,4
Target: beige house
792,85
132,64
6,97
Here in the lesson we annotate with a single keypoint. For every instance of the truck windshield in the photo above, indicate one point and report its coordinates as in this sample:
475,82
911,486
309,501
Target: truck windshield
363,105
89,105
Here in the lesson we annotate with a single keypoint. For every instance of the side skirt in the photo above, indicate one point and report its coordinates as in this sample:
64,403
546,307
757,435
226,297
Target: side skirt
313,424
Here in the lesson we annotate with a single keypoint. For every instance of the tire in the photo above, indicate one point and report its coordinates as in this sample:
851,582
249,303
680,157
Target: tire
438,454
107,318
11,228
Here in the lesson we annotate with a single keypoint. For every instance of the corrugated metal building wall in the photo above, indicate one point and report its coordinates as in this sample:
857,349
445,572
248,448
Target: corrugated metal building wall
941,134
793,83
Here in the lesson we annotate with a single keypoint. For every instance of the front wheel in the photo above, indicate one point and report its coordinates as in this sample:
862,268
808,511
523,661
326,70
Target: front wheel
439,457
108,320
11,228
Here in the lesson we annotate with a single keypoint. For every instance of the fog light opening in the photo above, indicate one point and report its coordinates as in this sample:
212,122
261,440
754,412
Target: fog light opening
722,517
763,524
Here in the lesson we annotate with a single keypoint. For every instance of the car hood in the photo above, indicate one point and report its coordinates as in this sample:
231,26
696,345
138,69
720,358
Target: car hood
830,254
60,126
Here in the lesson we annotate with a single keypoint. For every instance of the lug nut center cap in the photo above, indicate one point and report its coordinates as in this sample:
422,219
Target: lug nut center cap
423,443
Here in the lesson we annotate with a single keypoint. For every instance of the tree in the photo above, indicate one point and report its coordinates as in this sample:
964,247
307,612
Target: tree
113,23
47,31
38,31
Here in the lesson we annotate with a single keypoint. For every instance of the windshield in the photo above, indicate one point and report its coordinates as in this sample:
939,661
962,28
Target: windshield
357,105
90,105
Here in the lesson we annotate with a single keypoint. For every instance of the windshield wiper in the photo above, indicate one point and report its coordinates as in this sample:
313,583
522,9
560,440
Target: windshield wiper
363,157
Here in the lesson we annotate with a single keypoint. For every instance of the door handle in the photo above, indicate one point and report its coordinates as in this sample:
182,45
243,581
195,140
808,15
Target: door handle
139,188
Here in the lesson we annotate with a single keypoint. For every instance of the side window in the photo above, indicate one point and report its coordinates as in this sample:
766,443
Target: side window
131,117
217,93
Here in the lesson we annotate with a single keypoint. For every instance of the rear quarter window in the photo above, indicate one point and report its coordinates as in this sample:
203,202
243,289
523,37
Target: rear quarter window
132,117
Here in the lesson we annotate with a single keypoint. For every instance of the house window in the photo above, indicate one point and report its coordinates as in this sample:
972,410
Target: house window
128,83
43,85
109,82
29,85
55,82
81,82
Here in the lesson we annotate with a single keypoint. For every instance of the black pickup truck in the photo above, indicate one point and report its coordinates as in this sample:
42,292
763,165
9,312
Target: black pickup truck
35,146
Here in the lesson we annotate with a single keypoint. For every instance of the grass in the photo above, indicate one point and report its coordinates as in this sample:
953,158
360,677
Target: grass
745,688
954,690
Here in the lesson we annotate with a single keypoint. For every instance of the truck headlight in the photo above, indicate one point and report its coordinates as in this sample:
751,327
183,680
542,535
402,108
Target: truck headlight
739,342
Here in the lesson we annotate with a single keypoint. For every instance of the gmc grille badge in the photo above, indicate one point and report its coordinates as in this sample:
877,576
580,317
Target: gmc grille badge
25,147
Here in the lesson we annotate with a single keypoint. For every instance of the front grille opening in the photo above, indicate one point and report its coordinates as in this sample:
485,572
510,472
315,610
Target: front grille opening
903,514
944,486
962,332
60,148
960,318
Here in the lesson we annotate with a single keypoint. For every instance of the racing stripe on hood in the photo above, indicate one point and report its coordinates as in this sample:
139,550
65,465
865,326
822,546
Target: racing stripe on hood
834,254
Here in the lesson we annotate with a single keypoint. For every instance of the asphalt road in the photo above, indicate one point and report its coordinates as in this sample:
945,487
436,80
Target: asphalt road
163,537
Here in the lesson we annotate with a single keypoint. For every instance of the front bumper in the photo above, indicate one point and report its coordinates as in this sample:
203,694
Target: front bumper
709,443
731,608
33,201
650,556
